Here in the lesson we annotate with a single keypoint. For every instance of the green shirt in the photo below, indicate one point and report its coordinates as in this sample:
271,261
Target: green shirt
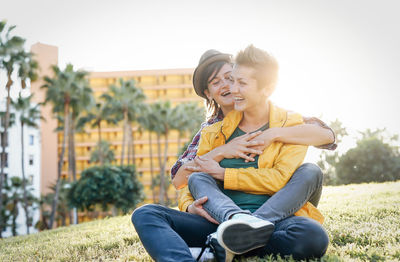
244,200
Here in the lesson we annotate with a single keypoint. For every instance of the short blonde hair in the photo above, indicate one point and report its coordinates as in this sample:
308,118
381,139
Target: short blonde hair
265,65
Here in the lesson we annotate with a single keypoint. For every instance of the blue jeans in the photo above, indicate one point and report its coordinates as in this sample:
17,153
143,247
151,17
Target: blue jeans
304,185
167,234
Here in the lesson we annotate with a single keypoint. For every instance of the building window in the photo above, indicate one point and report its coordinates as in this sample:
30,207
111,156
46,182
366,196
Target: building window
3,141
31,139
5,160
30,179
31,160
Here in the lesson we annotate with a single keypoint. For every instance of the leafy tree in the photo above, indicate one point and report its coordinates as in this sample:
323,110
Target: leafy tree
12,56
328,159
14,197
67,90
102,153
116,186
372,160
29,116
63,210
125,102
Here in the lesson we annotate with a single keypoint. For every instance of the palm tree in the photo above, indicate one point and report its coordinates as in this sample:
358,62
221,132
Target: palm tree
29,116
146,123
188,117
12,55
102,153
85,103
163,118
128,100
95,117
64,91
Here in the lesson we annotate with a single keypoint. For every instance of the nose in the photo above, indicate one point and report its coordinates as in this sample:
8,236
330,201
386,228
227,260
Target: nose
234,88
226,82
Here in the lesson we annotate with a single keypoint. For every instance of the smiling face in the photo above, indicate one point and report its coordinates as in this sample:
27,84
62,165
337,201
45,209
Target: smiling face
245,91
219,85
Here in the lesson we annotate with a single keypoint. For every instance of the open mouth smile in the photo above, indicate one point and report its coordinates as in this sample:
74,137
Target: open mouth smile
227,93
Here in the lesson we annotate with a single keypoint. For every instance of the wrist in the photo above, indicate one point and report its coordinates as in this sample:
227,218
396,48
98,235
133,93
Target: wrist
275,134
220,153
222,174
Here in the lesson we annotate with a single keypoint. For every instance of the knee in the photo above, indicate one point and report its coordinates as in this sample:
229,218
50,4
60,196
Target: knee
311,174
196,178
143,213
314,242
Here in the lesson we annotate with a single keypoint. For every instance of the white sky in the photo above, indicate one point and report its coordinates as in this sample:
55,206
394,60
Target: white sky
338,59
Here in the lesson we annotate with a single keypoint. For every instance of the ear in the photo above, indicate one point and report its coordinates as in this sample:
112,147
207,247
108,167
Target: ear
208,95
268,90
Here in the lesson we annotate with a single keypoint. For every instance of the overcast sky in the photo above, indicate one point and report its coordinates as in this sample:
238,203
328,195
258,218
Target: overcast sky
338,59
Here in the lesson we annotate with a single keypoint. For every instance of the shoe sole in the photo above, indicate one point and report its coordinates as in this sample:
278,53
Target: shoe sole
239,237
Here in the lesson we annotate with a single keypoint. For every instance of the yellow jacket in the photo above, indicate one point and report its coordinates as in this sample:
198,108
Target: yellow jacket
276,165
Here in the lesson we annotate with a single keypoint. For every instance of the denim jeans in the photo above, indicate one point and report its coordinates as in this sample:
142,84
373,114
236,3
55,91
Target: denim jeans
167,234
304,185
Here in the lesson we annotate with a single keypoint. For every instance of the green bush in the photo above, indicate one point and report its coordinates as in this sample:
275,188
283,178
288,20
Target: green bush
107,186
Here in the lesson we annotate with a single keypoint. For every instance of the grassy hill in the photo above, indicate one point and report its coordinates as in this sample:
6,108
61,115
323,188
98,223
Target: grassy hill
363,222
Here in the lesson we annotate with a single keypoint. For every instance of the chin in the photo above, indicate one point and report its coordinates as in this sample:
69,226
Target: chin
239,107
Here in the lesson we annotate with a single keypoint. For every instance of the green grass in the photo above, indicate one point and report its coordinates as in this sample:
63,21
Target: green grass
363,222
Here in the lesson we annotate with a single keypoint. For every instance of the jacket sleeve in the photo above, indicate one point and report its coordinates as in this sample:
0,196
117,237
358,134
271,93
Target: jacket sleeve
185,199
319,122
267,180
205,145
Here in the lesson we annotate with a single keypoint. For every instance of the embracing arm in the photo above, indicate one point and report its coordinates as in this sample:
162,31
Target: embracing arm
267,180
306,134
239,147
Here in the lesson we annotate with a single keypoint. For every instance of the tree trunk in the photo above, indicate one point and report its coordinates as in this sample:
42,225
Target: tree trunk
161,193
129,141
133,146
15,215
164,166
69,141
151,167
180,134
25,204
60,164
3,151
124,137
73,153
99,143
73,164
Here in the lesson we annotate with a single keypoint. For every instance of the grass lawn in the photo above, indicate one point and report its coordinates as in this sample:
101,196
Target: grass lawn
363,222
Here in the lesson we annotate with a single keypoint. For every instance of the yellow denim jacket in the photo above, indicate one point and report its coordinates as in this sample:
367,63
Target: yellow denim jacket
276,164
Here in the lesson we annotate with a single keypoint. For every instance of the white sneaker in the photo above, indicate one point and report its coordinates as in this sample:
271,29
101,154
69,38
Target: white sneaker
243,233
207,255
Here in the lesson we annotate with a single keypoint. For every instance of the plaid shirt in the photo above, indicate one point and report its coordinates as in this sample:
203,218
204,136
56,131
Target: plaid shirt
191,150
